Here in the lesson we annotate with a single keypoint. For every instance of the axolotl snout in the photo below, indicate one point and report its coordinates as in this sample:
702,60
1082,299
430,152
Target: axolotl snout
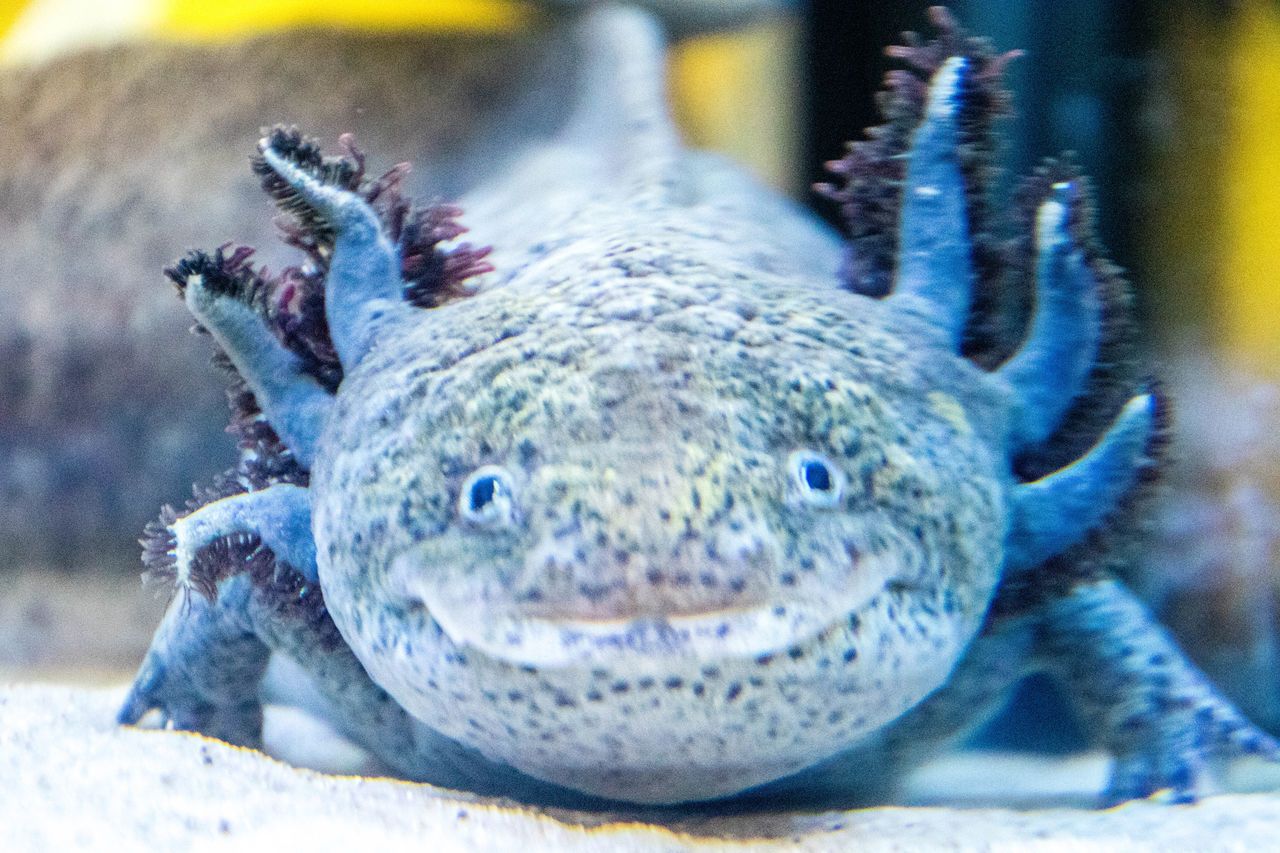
665,506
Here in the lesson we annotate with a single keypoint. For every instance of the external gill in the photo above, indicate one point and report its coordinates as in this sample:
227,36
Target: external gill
1049,372
1055,512
371,248
279,516
1051,368
288,337
199,550
935,269
289,395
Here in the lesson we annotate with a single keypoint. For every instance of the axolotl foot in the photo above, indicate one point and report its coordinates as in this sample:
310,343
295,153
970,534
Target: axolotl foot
1139,696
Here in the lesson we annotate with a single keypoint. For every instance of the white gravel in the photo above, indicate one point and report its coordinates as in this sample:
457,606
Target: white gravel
71,780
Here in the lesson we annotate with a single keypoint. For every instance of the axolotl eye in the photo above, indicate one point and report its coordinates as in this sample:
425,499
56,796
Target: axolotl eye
488,497
815,478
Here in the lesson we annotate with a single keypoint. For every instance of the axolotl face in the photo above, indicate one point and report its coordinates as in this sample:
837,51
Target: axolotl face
662,536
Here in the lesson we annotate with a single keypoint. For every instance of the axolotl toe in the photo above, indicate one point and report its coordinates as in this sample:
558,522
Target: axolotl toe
675,494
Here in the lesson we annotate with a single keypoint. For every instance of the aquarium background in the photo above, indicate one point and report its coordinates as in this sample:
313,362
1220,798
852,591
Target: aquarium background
122,147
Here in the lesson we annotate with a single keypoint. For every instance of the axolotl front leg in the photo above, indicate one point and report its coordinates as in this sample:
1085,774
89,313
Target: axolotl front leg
209,655
204,670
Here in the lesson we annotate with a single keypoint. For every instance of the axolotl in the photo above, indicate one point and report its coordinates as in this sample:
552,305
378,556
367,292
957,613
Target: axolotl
677,495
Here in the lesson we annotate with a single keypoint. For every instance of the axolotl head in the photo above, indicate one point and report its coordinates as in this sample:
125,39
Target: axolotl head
660,554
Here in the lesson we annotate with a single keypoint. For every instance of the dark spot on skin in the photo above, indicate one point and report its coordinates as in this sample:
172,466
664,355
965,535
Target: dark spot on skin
563,701
527,452
734,691
594,592
697,500
764,660
851,655
737,585
594,696
795,653
645,683
620,687
673,683
653,576
755,682
683,579
515,696
699,688
664,514
787,579
711,672
707,580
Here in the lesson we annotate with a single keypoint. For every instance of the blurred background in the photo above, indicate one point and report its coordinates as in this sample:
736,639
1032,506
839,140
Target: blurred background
125,128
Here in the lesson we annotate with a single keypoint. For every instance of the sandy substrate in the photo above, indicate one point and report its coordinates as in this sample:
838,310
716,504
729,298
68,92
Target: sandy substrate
71,780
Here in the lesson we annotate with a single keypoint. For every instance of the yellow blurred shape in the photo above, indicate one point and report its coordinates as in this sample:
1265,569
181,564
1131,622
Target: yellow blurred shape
229,19
737,92
40,29
1251,227
9,11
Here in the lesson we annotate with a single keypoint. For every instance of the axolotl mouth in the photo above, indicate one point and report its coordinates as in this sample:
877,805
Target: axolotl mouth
541,637
734,696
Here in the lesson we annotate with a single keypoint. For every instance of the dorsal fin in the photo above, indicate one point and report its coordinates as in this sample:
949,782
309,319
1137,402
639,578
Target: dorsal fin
621,112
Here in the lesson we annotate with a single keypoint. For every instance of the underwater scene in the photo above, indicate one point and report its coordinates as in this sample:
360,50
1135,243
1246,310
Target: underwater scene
651,425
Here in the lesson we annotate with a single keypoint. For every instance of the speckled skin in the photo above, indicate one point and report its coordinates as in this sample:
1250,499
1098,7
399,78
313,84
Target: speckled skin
646,412
663,512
